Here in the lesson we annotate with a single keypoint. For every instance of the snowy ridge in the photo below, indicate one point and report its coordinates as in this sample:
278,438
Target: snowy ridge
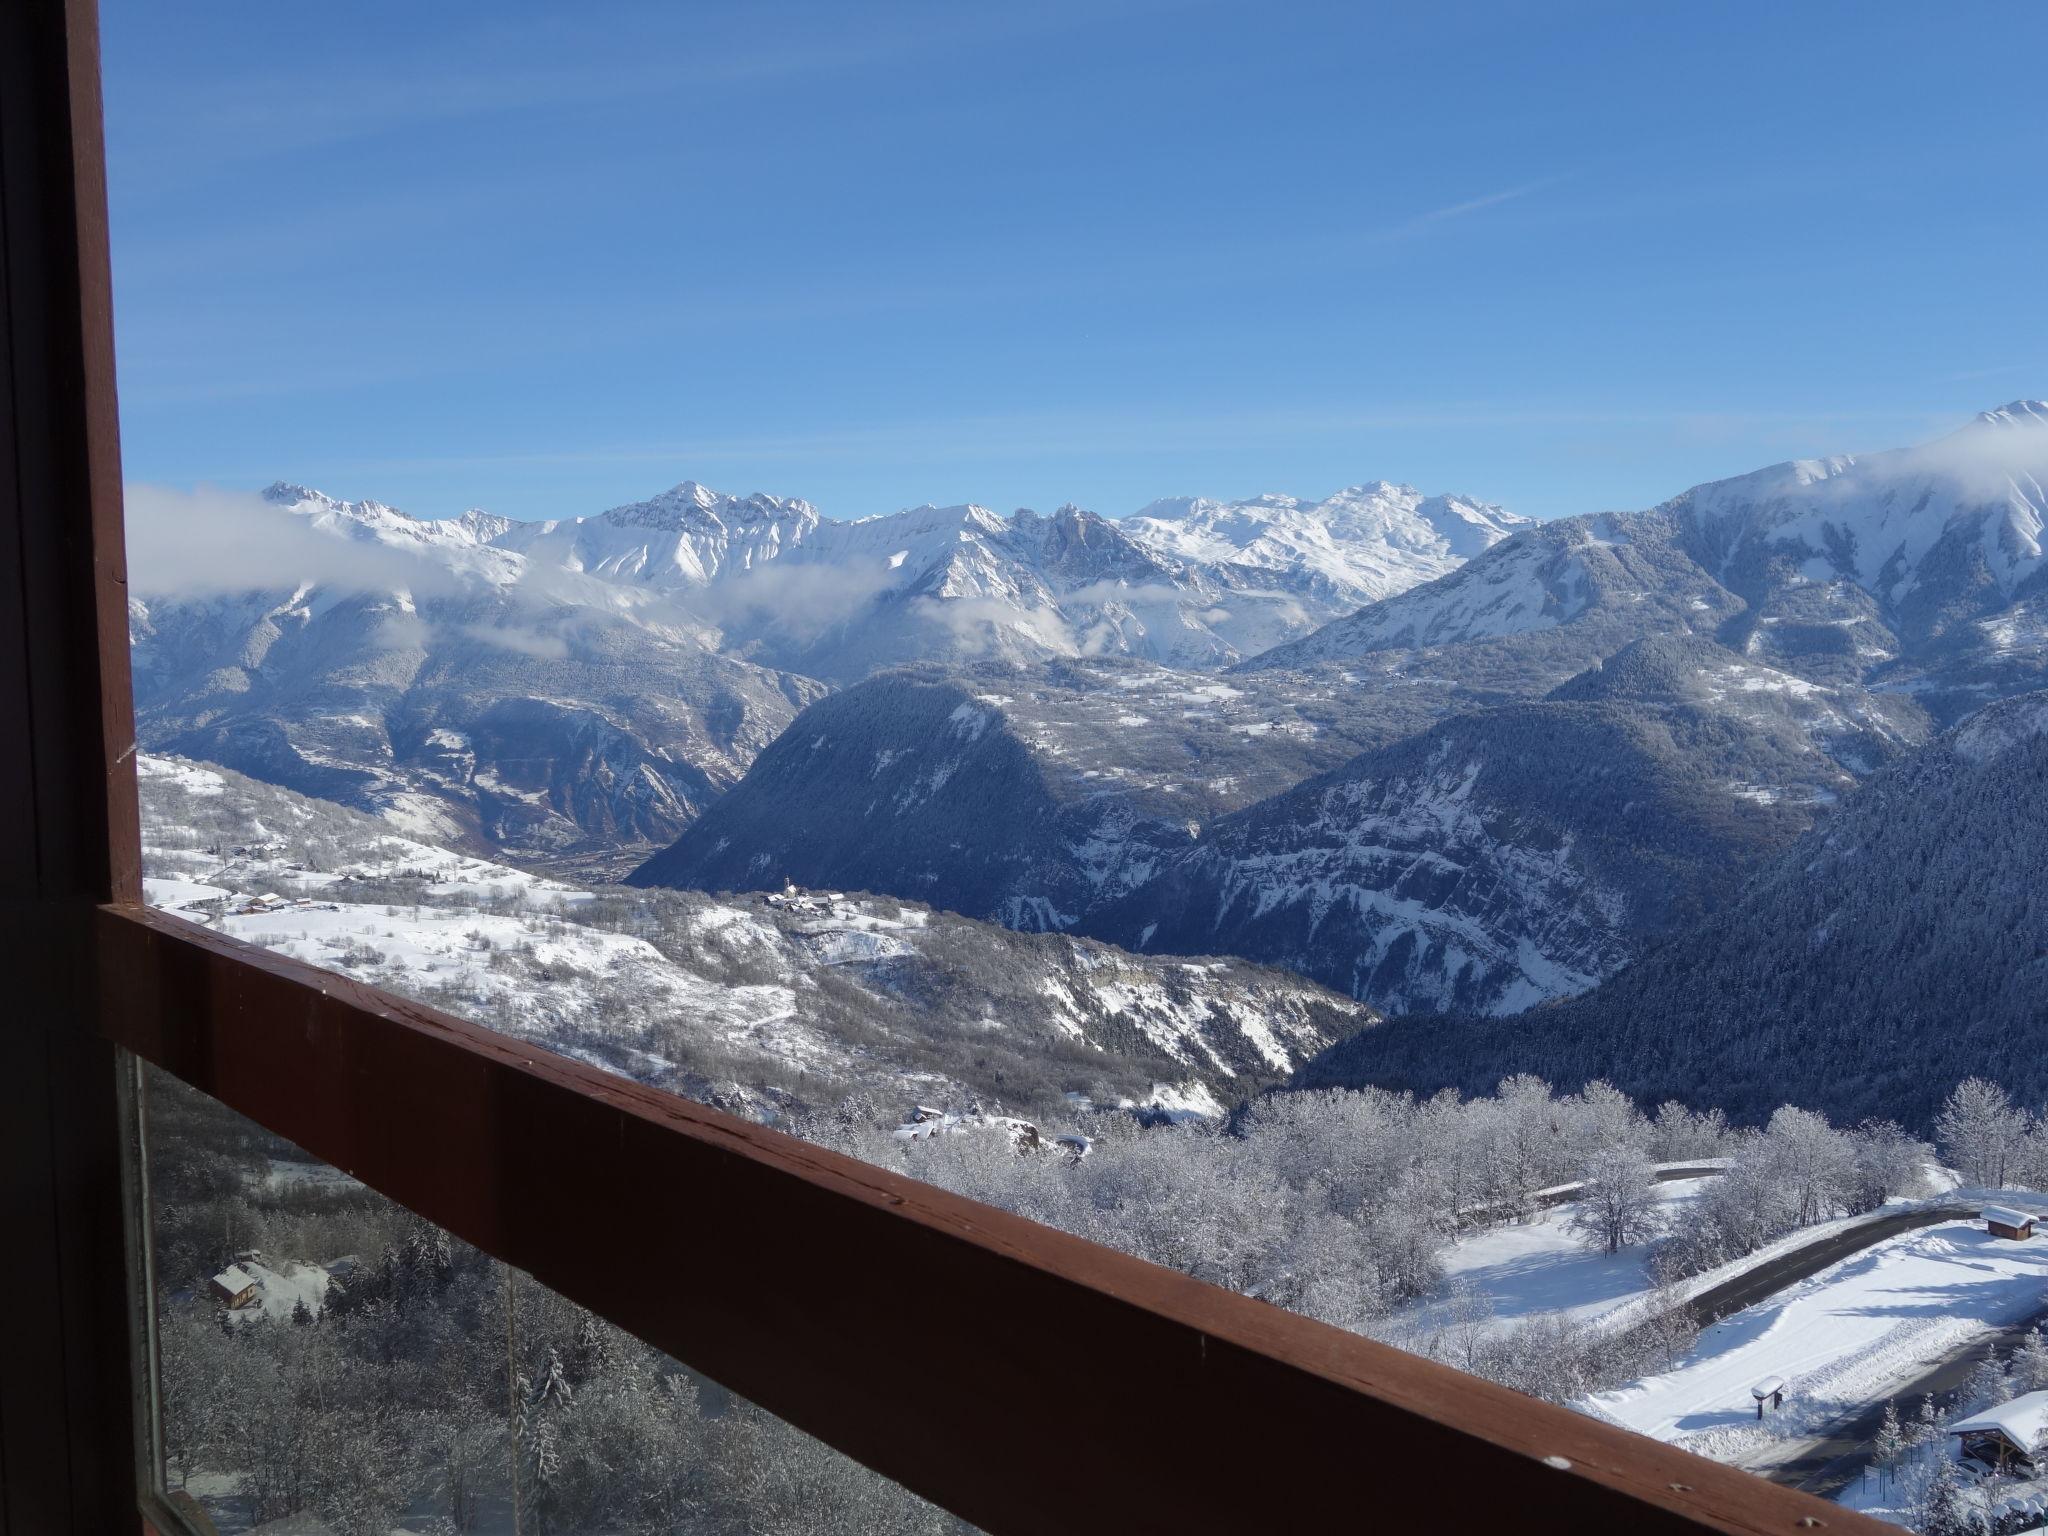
589,685
1102,769
1364,543
1190,582
1541,578
2001,728
1912,904
1918,567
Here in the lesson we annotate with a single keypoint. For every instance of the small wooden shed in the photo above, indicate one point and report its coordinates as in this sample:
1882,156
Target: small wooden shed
2004,1221
234,1286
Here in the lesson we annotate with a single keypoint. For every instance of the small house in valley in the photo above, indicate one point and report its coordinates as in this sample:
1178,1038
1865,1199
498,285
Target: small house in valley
235,1287
2004,1221
2008,1438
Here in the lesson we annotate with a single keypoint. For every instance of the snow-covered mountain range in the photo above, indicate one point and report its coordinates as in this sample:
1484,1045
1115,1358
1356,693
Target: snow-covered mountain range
1532,752
1027,794
1516,854
1190,582
413,669
1507,855
584,685
1919,569
1609,721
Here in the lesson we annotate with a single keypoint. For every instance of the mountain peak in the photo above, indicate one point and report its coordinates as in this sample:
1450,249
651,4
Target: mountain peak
283,493
2017,413
692,503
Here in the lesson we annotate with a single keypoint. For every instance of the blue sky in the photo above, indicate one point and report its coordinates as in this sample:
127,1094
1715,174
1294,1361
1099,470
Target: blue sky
548,258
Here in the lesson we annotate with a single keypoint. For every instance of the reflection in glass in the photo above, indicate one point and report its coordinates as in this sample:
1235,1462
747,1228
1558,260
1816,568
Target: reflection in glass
326,1355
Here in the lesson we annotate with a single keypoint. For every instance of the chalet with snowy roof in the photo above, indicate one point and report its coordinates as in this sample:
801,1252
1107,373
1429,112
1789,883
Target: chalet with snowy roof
234,1287
2010,1437
2004,1221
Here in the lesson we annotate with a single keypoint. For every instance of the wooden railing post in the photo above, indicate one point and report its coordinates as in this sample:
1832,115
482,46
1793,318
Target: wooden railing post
67,802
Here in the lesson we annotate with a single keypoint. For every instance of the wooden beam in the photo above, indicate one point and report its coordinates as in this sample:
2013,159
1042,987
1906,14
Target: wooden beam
67,804
1025,1379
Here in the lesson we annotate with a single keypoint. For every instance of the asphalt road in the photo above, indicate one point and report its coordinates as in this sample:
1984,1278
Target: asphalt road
1759,1284
1830,1463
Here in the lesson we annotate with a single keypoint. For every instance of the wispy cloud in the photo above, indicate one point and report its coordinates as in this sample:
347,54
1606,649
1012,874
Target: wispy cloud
207,542
1471,205
496,68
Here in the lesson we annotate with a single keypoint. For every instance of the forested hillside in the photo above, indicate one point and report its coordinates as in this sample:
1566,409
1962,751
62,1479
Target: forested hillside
1521,853
1900,946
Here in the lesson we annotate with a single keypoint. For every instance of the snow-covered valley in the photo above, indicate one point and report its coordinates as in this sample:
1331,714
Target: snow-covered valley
768,1002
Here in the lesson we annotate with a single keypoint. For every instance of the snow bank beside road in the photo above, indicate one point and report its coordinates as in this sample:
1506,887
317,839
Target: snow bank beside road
1842,1338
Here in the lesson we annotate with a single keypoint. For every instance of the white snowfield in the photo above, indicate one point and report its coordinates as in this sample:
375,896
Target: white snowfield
1843,1338
1542,1266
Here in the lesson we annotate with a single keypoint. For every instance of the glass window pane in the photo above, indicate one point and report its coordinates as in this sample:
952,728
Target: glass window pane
330,1362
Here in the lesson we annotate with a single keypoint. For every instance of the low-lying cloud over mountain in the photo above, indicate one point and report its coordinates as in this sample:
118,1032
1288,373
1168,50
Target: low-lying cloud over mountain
585,684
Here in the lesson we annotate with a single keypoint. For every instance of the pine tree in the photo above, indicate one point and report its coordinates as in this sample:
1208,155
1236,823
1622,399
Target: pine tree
1889,1443
302,1315
1942,1509
1988,1385
540,1410
593,1352
544,1475
2030,1363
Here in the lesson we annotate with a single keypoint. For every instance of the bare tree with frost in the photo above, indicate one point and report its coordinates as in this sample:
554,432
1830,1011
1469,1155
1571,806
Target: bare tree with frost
1619,1203
1980,1133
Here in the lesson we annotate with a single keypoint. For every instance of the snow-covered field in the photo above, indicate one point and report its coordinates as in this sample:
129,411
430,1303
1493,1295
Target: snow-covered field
1843,1338
1542,1266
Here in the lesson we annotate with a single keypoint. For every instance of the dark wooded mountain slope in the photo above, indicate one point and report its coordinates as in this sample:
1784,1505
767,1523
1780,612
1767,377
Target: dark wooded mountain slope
1898,947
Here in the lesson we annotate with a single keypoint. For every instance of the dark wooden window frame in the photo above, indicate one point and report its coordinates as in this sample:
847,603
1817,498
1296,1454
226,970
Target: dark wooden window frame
1025,1379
